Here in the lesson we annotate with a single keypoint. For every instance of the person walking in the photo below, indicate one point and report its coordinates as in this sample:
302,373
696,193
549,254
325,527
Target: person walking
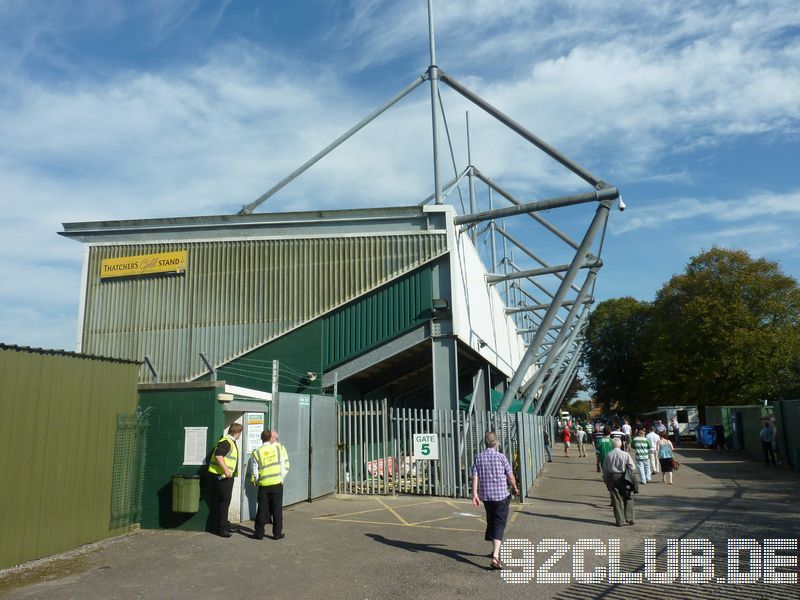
580,439
268,469
766,443
617,468
676,431
775,441
223,468
665,458
602,447
547,445
654,437
642,447
566,436
491,476
626,429
618,434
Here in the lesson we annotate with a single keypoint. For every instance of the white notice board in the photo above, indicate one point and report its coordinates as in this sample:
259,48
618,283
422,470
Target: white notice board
426,446
254,424
194,445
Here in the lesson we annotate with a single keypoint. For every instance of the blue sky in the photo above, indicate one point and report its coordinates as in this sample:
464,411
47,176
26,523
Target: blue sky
112,109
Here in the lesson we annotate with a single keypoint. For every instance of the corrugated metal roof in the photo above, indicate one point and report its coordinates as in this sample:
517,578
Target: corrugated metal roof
362,221
56,352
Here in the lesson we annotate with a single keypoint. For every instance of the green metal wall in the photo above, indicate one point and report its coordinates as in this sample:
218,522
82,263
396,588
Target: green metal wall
787,419
752,423
171,411
377,317
235,295
341,335
57,421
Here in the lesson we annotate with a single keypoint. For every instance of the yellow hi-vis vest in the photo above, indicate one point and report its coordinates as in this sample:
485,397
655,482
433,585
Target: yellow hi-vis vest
231,459
273,464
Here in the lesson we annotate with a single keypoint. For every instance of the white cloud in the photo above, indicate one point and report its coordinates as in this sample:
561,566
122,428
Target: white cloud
755,206
614,85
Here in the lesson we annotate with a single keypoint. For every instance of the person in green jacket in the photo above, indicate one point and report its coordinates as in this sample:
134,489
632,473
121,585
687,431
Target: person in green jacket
603,446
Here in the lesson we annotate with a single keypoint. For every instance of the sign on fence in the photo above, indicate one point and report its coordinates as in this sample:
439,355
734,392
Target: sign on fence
426,446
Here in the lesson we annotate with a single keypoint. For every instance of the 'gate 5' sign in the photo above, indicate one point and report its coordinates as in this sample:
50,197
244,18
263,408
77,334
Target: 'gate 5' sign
426,446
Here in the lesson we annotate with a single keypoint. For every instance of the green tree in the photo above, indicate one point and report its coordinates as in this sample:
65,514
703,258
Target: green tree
615,353
726,331
580,409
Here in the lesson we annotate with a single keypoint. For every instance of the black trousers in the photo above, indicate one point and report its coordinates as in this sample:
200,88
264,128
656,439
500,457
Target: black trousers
768,452
223,490
496,517
270,508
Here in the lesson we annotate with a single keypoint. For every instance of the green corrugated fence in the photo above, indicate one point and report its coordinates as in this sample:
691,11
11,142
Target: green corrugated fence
58,422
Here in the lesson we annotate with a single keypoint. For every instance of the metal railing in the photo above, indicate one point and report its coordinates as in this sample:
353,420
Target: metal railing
376,450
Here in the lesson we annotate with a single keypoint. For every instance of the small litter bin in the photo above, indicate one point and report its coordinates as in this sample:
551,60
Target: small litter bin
185,493
706,435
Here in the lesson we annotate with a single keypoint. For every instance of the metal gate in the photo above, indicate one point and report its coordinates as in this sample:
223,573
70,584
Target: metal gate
130,443
307,428
376,448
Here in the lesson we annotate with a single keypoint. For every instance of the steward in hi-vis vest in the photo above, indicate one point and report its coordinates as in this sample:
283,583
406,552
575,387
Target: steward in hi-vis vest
273,464
268,469
231,459
223,467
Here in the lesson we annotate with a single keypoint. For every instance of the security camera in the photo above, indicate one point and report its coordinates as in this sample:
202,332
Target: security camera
621,204
311,376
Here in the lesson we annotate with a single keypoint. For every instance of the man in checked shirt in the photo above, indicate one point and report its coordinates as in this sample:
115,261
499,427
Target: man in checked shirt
491,476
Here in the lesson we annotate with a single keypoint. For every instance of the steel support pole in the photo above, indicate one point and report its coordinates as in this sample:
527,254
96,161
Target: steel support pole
539,285
606,194
554,383
557,397
600,216
534,307
492,233
246,210
473,204
447,188
505,261
566,379
531,297
563,335
519,245
538,218
560,382
496,278
520,130
433,76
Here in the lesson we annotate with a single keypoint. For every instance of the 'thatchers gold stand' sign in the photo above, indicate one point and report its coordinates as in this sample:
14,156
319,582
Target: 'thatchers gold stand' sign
146,264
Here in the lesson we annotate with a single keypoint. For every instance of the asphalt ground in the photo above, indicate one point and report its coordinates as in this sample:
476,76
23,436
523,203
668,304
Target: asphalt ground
420,547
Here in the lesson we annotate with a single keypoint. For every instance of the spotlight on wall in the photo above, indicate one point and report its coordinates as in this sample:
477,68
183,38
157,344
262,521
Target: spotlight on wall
441,307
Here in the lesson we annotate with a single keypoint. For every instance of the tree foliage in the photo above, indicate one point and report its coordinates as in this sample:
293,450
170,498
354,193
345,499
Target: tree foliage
580,409
614,354
725,331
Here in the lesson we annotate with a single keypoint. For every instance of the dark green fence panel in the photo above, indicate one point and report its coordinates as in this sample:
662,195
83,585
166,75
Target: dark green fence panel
130,446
